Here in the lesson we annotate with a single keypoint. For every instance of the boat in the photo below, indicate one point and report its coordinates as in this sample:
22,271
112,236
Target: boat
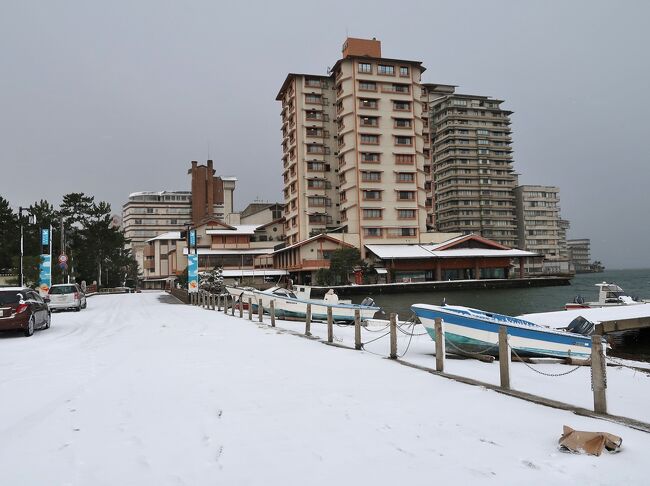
609,295
473,331
289,305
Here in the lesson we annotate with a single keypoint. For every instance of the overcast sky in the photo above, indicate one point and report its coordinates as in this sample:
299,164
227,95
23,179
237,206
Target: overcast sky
114,97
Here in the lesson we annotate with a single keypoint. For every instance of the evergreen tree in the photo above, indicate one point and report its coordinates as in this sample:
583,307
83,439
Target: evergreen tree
9,236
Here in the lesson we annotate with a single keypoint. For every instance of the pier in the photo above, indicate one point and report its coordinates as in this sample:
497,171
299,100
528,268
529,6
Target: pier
446,285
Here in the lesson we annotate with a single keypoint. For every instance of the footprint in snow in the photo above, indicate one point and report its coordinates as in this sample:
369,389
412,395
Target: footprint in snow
530,465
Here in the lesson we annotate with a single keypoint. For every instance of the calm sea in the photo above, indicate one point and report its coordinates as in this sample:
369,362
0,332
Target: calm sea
523,301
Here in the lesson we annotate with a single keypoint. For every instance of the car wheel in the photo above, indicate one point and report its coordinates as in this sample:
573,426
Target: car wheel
78,308
30,327
85,304
48,321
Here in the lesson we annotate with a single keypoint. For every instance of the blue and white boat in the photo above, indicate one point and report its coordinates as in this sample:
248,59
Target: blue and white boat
474,331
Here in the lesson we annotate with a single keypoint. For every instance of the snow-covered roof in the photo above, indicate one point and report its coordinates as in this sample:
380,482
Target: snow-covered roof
159,193
415,251
399,251
242,229
564,317
170,235
258,272
227,251
482,252
228,178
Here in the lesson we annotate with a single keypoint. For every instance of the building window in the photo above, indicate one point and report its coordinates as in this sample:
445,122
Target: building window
401,106
149,210
406,195
318,201
317,166
314,98
365,67
405,177
408,231
372,214
406,213
403,123
372,195
372,232
398,88
403,140
404,158
367,86
368,103
367,176
386,70
370,139
403,71
370,157
369,121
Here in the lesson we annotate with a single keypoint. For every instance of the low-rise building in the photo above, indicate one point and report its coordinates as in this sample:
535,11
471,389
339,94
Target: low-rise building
148,214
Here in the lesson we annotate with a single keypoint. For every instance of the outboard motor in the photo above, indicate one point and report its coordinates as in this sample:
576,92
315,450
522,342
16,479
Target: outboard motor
368,301
580,325
578,300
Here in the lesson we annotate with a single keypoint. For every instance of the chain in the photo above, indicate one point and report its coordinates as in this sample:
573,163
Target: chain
564,373
376,339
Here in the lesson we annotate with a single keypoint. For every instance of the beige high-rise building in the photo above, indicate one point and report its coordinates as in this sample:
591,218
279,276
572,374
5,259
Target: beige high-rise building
353,148
540,228
471,176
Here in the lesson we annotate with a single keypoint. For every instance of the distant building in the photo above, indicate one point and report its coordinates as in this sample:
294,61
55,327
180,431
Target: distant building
540,228
148,214
470,177
580,254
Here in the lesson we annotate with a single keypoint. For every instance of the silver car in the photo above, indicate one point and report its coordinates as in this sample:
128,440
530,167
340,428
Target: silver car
66,296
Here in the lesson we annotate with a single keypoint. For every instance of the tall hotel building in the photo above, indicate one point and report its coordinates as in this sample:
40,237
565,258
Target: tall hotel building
470,178
352,144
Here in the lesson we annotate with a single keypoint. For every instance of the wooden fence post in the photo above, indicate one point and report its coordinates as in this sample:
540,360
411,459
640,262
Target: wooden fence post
330,325
598,375
272,312
250,308
260,310
357,329
393,336
225,303
504,357
440,344
241,306
308,321
218,302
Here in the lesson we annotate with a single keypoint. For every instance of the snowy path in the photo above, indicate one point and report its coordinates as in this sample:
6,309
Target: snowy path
138,391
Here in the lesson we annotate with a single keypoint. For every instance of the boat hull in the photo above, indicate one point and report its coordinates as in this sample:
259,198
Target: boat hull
471,335
296,309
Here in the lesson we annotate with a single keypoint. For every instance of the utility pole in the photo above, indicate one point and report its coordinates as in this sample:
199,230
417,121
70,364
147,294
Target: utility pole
62,250
32,220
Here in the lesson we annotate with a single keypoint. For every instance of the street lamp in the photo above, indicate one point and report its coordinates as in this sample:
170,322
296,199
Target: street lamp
32,220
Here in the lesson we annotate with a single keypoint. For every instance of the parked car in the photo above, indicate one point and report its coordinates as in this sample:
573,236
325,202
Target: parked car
67,296
23,309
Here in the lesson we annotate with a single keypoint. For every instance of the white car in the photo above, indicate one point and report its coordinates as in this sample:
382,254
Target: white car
66,296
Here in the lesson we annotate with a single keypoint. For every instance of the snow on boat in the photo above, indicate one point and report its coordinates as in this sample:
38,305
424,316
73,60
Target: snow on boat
290,306
475,331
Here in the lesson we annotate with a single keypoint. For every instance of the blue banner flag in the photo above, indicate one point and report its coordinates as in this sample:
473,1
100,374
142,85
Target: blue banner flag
45,237
45,274
192,273
192,238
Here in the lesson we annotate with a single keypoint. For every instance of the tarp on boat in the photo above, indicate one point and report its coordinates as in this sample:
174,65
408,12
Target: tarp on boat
591,443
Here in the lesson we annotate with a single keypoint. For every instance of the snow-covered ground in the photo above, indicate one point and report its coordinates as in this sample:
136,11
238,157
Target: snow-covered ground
140,390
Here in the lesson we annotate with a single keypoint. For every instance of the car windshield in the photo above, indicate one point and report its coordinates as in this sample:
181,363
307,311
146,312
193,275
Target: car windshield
63,289
9,297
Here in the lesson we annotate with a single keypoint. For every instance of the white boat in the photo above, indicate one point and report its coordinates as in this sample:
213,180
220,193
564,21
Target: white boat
609,295
291,306
473,331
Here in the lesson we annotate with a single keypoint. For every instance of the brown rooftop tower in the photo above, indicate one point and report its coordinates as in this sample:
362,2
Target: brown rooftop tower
207,190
